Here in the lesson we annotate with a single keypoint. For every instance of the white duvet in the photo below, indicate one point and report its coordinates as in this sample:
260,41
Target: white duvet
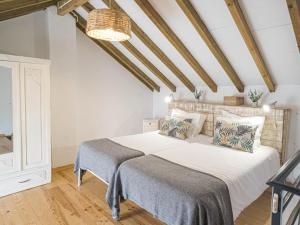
153,142
244,173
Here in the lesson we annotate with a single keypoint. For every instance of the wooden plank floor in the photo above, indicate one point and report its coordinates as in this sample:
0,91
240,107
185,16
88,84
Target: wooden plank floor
62,203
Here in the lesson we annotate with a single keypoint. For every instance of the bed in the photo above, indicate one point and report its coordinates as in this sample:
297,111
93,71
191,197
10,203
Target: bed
102,157
202,183
239,170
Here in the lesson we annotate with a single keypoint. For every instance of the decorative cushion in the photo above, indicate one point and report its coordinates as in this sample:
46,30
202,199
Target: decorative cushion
237,136
251,121
181,130
197,122
167,126
177,128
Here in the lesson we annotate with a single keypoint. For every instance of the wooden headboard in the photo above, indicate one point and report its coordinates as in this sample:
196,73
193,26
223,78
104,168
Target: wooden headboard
275,131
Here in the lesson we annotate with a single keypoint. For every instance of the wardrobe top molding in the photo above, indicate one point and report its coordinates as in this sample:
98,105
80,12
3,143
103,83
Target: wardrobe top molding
24,59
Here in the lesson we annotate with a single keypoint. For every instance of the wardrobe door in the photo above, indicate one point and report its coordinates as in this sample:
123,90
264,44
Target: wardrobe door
35,115
10,129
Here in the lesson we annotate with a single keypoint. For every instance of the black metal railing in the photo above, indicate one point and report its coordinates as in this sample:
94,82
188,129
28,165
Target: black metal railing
286,193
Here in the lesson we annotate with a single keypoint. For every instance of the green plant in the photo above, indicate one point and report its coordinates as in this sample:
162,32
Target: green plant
255,96
198,94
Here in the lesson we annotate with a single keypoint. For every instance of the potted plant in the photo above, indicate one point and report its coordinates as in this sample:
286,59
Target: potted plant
255,96
198,94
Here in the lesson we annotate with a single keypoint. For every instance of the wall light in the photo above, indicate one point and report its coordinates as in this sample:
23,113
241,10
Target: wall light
169,98
267,107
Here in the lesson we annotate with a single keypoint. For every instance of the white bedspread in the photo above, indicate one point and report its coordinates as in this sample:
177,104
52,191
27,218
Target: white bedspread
153,142
244,173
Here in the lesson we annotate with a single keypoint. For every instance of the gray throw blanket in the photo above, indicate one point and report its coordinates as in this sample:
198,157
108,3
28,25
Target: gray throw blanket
172,193
103,157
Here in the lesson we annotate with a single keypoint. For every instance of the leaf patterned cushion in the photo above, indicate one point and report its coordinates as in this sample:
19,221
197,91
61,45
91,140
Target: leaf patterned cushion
167,126
181,129
237,136
176,128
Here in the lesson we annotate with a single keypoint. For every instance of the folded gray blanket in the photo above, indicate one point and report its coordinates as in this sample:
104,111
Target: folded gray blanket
103,157
172,193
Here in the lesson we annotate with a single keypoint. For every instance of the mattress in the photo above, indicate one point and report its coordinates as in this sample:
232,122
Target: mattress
102,157
244,173
153,142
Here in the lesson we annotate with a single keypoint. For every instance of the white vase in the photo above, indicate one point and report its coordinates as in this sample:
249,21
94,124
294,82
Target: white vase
255,104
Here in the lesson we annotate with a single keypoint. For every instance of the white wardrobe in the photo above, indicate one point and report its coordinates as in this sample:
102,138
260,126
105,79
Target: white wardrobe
25,137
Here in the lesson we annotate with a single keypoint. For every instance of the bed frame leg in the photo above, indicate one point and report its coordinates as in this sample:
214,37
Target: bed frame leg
116,214
79,178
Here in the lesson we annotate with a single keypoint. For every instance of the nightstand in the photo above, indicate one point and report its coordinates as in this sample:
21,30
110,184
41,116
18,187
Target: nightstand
150,125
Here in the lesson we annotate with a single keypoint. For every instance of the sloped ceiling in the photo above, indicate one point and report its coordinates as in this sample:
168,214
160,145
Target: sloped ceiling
269,22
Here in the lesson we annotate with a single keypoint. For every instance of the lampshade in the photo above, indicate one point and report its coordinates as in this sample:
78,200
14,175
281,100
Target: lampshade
108,25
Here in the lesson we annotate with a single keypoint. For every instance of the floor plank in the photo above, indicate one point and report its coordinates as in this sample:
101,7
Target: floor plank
25,210
9,211
62,203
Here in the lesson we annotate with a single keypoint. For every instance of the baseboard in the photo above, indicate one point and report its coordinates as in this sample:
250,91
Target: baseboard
62,168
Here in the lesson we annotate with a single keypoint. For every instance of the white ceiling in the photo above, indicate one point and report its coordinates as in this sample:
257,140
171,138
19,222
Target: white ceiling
268,19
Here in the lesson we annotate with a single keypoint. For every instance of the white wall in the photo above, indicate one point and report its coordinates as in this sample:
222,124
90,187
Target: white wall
63,56
25,36
110,101
286,95
5,101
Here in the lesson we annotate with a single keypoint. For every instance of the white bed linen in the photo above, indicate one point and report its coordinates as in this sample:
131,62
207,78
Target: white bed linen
153,142
244,173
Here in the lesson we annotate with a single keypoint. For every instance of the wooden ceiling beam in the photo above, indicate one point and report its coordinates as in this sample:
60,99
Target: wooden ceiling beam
154,48
15,10
241,23
88,7
206,36
117,55
176,42
149,65
294,10
66,6
15,4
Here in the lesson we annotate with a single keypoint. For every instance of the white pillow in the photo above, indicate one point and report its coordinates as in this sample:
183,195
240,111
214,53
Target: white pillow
254,120
251,120
198,120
